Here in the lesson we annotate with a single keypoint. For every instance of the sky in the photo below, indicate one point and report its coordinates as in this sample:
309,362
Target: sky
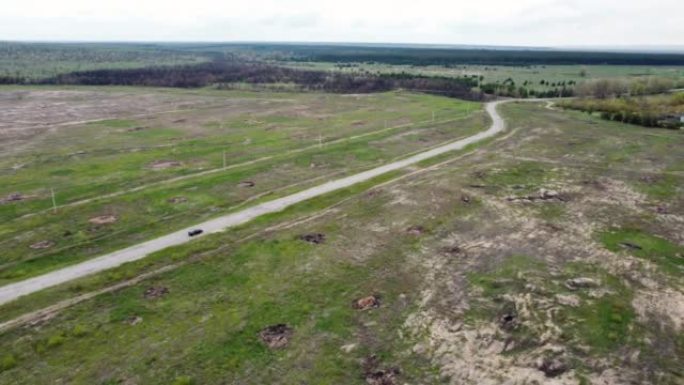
549,23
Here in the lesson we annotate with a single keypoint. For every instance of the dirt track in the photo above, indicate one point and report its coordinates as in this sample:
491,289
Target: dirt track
13,291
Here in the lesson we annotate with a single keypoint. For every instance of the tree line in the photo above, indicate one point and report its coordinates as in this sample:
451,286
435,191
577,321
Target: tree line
225,71
426,55
650,111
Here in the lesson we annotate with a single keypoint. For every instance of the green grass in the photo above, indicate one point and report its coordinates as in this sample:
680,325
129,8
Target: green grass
605,324
148,213
219,308
205,330
7,362
666,255
662,187
520,178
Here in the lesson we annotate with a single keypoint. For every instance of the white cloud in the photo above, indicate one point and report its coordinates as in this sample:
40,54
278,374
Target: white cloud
520,22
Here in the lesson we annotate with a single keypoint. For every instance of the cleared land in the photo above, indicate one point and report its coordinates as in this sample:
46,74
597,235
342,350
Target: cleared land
552,254
151,161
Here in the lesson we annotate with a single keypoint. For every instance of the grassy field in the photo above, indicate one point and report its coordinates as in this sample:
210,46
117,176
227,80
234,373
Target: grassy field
530,76
134,164
480,275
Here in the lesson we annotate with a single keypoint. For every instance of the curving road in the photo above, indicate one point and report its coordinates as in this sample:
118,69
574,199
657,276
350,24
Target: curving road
13,291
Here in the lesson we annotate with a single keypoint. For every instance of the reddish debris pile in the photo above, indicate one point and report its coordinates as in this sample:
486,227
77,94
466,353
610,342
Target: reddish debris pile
365,303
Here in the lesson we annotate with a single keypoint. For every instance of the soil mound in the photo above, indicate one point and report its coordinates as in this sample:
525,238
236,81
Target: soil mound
276,336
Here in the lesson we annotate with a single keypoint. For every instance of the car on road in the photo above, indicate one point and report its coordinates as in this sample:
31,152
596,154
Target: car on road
194,232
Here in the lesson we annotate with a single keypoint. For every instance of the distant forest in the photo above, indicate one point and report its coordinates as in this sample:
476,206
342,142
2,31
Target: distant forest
447,56
226,71
227,65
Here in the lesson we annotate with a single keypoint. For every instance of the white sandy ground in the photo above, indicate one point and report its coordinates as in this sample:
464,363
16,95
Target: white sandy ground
13,291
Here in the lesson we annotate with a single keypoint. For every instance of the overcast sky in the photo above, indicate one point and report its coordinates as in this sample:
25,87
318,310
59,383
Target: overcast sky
495,22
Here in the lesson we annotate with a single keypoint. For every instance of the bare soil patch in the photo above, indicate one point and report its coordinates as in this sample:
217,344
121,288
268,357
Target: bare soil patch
552,367
163,164
42,245
315,238
365,303
103,219
134,320
155,292
14,197
177,200
543,195
375,375
581,283
415,230
247,183
276,336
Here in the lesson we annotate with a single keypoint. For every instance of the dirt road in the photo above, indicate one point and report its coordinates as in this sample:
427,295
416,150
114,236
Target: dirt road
13,291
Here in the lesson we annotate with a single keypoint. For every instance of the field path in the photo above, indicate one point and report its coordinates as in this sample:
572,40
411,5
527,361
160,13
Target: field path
13,291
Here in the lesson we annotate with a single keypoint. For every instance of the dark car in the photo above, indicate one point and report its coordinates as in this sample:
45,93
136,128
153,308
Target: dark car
194,232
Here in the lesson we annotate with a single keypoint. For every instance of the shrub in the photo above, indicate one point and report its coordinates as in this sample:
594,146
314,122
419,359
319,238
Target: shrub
8,362
56,340
79,330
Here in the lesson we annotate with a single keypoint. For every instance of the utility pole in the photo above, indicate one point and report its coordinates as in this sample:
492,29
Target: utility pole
54,201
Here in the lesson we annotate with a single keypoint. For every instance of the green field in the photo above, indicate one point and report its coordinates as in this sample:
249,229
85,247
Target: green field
472,264
155,163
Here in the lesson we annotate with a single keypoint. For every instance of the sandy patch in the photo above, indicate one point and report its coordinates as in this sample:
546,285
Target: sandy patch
665,306
163,164
103,219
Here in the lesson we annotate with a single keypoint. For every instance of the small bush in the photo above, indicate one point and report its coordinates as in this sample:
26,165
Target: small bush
79,330
182,380
56,340
8,362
